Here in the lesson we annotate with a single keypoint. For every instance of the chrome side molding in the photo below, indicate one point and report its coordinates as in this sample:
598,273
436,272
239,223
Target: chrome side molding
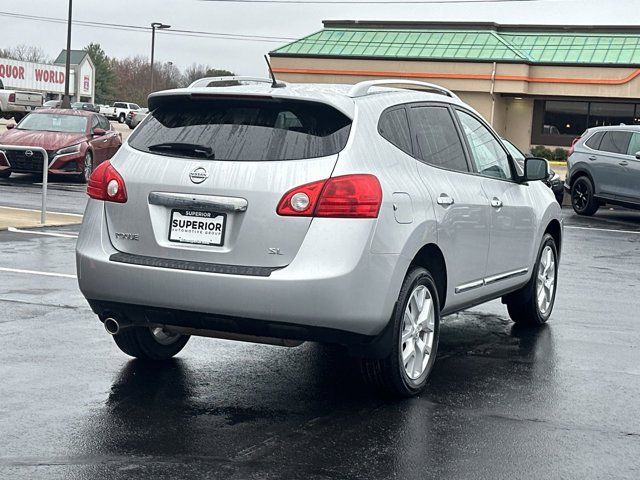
490,280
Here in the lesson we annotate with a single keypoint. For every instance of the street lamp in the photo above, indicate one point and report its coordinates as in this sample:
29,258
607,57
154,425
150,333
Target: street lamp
159,26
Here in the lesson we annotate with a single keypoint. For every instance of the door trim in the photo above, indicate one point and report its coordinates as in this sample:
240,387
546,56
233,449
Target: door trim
465,287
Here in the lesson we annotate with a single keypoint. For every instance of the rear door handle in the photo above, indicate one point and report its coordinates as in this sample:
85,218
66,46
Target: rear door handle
445,200
496,202
624,163
593,158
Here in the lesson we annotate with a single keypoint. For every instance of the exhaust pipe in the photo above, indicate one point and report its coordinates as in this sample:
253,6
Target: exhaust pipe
113,326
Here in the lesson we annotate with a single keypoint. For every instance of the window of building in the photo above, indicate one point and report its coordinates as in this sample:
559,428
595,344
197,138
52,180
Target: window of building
607,114
437,139
394,127
565,118
615,142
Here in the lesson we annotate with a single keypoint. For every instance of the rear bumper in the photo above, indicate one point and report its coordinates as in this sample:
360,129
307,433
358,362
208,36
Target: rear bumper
334,282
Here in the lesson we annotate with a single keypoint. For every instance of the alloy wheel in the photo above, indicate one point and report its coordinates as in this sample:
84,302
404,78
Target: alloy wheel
580,195
546,280
88,166
417,332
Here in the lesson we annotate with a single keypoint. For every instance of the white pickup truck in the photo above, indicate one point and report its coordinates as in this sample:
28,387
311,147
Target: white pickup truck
120,110
17,104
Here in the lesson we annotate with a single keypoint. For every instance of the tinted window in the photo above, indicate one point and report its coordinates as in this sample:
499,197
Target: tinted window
615,142
565,118
605,114
119,105
134,106
488,155
103,122
436,138
594,140
394,127
250,130
634,144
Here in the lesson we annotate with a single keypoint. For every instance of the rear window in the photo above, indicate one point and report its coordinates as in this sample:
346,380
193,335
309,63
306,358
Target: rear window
245,130
594,140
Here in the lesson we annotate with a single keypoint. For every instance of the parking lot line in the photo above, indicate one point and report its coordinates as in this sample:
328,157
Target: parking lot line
38,210
603,229
35,232
34,272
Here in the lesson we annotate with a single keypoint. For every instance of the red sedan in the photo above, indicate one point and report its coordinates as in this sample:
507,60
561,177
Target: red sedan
76,142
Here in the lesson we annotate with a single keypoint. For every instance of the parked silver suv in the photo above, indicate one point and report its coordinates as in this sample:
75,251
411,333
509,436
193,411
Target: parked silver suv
604,167
282,213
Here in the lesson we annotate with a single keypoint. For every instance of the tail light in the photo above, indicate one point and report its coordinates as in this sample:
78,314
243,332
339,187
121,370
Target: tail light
575,140
106,184
12,97
347,196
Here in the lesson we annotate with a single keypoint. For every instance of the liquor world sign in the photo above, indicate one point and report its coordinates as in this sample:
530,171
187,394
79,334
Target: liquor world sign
34,76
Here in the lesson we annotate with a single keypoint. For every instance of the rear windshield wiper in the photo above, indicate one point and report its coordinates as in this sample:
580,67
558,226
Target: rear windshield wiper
193,148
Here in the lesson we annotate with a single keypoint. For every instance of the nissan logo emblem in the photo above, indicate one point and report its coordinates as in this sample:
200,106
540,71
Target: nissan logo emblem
198,175
28,153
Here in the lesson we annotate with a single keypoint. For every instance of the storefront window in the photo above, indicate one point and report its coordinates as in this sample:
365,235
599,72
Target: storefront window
606,114
636,119
565,118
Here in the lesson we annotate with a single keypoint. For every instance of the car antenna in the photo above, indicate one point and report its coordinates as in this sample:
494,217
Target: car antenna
275,83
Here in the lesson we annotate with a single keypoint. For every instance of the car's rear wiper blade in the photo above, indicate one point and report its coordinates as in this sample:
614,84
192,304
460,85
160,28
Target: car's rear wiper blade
194,148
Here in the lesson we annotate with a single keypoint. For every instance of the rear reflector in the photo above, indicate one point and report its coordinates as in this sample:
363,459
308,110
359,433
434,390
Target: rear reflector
106,184
347,196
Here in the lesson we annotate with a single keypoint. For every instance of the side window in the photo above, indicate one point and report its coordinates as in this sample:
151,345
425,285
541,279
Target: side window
594,140
94,122
634,145
103,122
488,155
134,106
615,142
394,127
436,138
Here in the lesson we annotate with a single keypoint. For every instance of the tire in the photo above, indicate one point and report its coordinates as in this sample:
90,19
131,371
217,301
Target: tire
582,197
560,198
121,118
87,168
143,343
392,374
524,306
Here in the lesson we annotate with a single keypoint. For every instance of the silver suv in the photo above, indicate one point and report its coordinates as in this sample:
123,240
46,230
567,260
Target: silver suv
604,167
281,213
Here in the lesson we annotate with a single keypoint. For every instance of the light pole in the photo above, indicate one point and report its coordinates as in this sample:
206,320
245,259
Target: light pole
66,101
159,26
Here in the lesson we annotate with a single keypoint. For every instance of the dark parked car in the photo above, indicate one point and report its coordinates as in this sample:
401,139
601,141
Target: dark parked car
553,181
604,167
89,107
76,141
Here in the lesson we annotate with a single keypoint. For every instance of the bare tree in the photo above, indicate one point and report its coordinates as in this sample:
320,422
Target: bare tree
197,71
25,53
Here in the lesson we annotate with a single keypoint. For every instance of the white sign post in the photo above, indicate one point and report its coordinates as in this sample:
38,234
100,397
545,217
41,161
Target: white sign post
45,173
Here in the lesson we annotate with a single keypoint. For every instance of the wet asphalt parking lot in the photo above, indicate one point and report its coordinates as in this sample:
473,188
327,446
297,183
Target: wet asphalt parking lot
503,402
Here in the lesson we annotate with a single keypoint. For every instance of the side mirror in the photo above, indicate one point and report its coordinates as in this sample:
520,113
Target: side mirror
535,169
98,132
11,126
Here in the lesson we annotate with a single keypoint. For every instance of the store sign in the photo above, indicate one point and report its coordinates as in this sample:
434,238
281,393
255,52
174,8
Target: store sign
33,76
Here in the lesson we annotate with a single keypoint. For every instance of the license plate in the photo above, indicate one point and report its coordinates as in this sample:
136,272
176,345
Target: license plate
202,228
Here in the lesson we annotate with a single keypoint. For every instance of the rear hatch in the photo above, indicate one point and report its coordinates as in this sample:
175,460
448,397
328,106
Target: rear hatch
28,99
204,177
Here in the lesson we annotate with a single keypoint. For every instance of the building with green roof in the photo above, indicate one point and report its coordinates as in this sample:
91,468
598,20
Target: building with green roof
538,85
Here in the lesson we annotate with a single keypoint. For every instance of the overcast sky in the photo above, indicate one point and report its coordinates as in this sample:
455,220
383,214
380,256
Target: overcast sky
245,57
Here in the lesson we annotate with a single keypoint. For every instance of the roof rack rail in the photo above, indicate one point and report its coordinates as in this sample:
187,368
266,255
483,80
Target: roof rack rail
207,81
362,88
